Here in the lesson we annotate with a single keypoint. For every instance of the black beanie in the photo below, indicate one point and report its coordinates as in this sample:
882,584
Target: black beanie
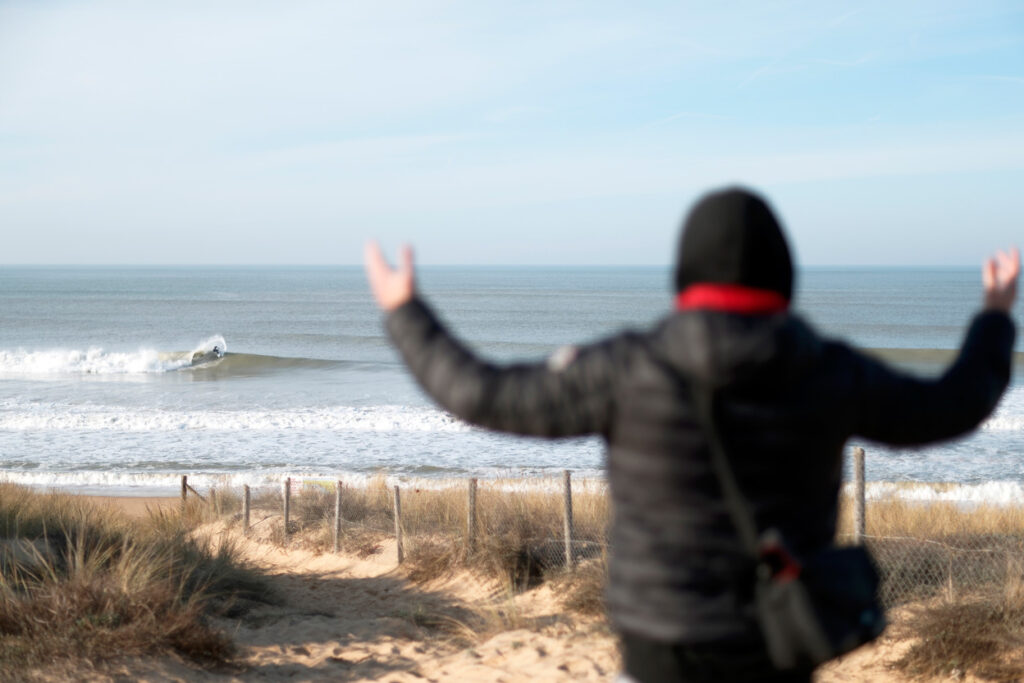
731,237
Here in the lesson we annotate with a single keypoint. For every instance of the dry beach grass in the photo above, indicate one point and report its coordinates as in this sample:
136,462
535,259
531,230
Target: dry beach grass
80,582
519,530
171,596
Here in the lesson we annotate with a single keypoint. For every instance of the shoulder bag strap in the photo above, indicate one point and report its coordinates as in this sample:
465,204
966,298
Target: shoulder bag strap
739,510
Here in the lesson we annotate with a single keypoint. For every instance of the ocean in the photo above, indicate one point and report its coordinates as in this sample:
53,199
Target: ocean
109,382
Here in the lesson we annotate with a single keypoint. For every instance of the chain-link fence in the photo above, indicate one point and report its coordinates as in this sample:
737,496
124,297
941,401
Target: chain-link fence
929,542
958,566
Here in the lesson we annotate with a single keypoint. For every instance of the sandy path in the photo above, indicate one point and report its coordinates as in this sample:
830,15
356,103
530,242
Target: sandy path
346,618
343,618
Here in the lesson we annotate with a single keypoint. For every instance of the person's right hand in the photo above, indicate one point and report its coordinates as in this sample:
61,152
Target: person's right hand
999,276
391,287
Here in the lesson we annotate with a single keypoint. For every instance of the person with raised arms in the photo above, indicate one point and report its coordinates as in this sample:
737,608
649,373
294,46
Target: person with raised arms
784,401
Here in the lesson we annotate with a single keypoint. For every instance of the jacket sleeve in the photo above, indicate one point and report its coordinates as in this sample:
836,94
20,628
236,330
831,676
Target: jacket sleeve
899,409
570,398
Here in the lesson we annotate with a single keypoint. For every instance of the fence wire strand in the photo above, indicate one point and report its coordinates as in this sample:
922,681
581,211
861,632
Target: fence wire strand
924,551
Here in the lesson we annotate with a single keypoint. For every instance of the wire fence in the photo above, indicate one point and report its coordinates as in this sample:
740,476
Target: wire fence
954,568
928,544
525,529
924,550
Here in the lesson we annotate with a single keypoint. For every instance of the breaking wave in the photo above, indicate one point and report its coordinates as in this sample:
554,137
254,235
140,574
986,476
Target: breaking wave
97,361
208,360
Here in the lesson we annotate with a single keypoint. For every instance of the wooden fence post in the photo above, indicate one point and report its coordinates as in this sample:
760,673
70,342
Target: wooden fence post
471,517
246,498
213,500
287,504
567,486
398,524
858,496
184,490
950,594
337,515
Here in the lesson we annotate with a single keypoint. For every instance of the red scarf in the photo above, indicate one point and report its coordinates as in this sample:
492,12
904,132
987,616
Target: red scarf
729,298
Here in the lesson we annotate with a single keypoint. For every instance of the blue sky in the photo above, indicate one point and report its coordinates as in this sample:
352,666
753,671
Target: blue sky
535,133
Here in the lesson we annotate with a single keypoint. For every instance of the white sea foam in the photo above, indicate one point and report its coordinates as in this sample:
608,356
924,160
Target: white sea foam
170,483
994,493
21,416
93,361
998,493
25,417
1009,416
1004,423
96,361
127,483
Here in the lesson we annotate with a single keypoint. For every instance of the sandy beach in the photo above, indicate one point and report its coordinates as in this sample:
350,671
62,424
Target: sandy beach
342,617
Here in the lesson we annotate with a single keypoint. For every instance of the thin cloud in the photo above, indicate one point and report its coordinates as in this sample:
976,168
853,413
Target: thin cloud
514,114
698,115
757,73
859,61
776,67
843,18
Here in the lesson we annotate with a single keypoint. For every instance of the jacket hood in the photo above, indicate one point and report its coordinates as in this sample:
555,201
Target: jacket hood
732,237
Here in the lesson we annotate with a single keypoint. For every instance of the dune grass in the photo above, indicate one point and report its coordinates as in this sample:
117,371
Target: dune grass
957,571
520,530
78,581
958,574
519,539
519,533
931,520
980,634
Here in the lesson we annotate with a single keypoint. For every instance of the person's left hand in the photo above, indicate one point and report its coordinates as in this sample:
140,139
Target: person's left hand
391,287
999,277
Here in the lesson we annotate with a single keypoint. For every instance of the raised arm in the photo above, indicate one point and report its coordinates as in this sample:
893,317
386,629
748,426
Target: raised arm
569,395
899,409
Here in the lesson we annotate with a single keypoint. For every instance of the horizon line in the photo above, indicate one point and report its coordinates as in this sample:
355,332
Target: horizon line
453,265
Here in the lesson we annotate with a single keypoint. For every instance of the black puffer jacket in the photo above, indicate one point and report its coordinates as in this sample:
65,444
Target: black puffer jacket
786,403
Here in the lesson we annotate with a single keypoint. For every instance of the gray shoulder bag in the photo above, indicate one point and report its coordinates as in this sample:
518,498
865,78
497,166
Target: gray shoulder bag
811,609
